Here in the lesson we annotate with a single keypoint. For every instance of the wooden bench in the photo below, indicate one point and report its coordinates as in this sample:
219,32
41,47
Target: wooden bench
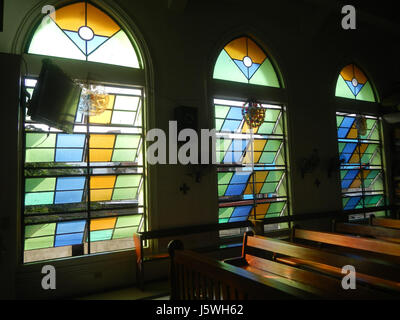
140,239
382,233
320,271
194,276
384,222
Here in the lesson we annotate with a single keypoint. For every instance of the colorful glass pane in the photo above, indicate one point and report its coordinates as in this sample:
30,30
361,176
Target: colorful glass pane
243,192
82,31
361,169
242,60
352,83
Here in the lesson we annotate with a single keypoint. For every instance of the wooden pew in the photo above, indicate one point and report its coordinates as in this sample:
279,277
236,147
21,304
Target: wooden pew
384,222
381,233
194,276
368,273
383,252
265,256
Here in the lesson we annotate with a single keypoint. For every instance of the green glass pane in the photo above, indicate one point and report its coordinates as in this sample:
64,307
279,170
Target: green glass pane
129,180
284,225
128,221
380,214
219,156
266,128
265,75
127,142
276,207
366,93
339,120
271,115
40,184
39,198
50,40
343,174
274,176
373,200
344,201
124,233
124,155
39,243
341,146
40,140
272,145
225,212
218,124
101,235
221,111
39,155
38,230
223,220
226,69
224,177
373,174
124,194
267,157
118,50
342,90
223,144
269,187
222,189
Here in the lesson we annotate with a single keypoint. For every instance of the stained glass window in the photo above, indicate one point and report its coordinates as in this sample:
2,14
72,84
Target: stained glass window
82,31
352,83
85,188
242,191
242,60
361,169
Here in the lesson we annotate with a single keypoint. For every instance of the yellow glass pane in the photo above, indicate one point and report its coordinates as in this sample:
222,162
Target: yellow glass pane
102,224
356,184
347,72
359,75
255,52
352,134
261,210
100,155
237,48
102,182
261,176
100,195
101,23
102,141
102,118
71,17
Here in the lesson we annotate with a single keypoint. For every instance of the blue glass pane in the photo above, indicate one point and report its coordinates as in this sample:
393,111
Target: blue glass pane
240,177
96,42
352,203
358,88
70,226
235,113
342,132
241,211
230,125
69,155
68,239
235,190
70,183
70,140
68,197
253,68
242,67
235,219
347,122
74,36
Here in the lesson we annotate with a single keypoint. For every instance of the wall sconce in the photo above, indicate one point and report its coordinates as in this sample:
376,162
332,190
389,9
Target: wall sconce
308,165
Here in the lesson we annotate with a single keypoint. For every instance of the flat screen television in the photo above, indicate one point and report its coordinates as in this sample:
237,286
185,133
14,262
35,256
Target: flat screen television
55,98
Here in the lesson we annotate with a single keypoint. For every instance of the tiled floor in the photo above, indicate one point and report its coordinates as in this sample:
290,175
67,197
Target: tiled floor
158,290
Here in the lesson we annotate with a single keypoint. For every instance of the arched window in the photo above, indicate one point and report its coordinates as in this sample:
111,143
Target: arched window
251,162
84,191
360,144
84,32
352,83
